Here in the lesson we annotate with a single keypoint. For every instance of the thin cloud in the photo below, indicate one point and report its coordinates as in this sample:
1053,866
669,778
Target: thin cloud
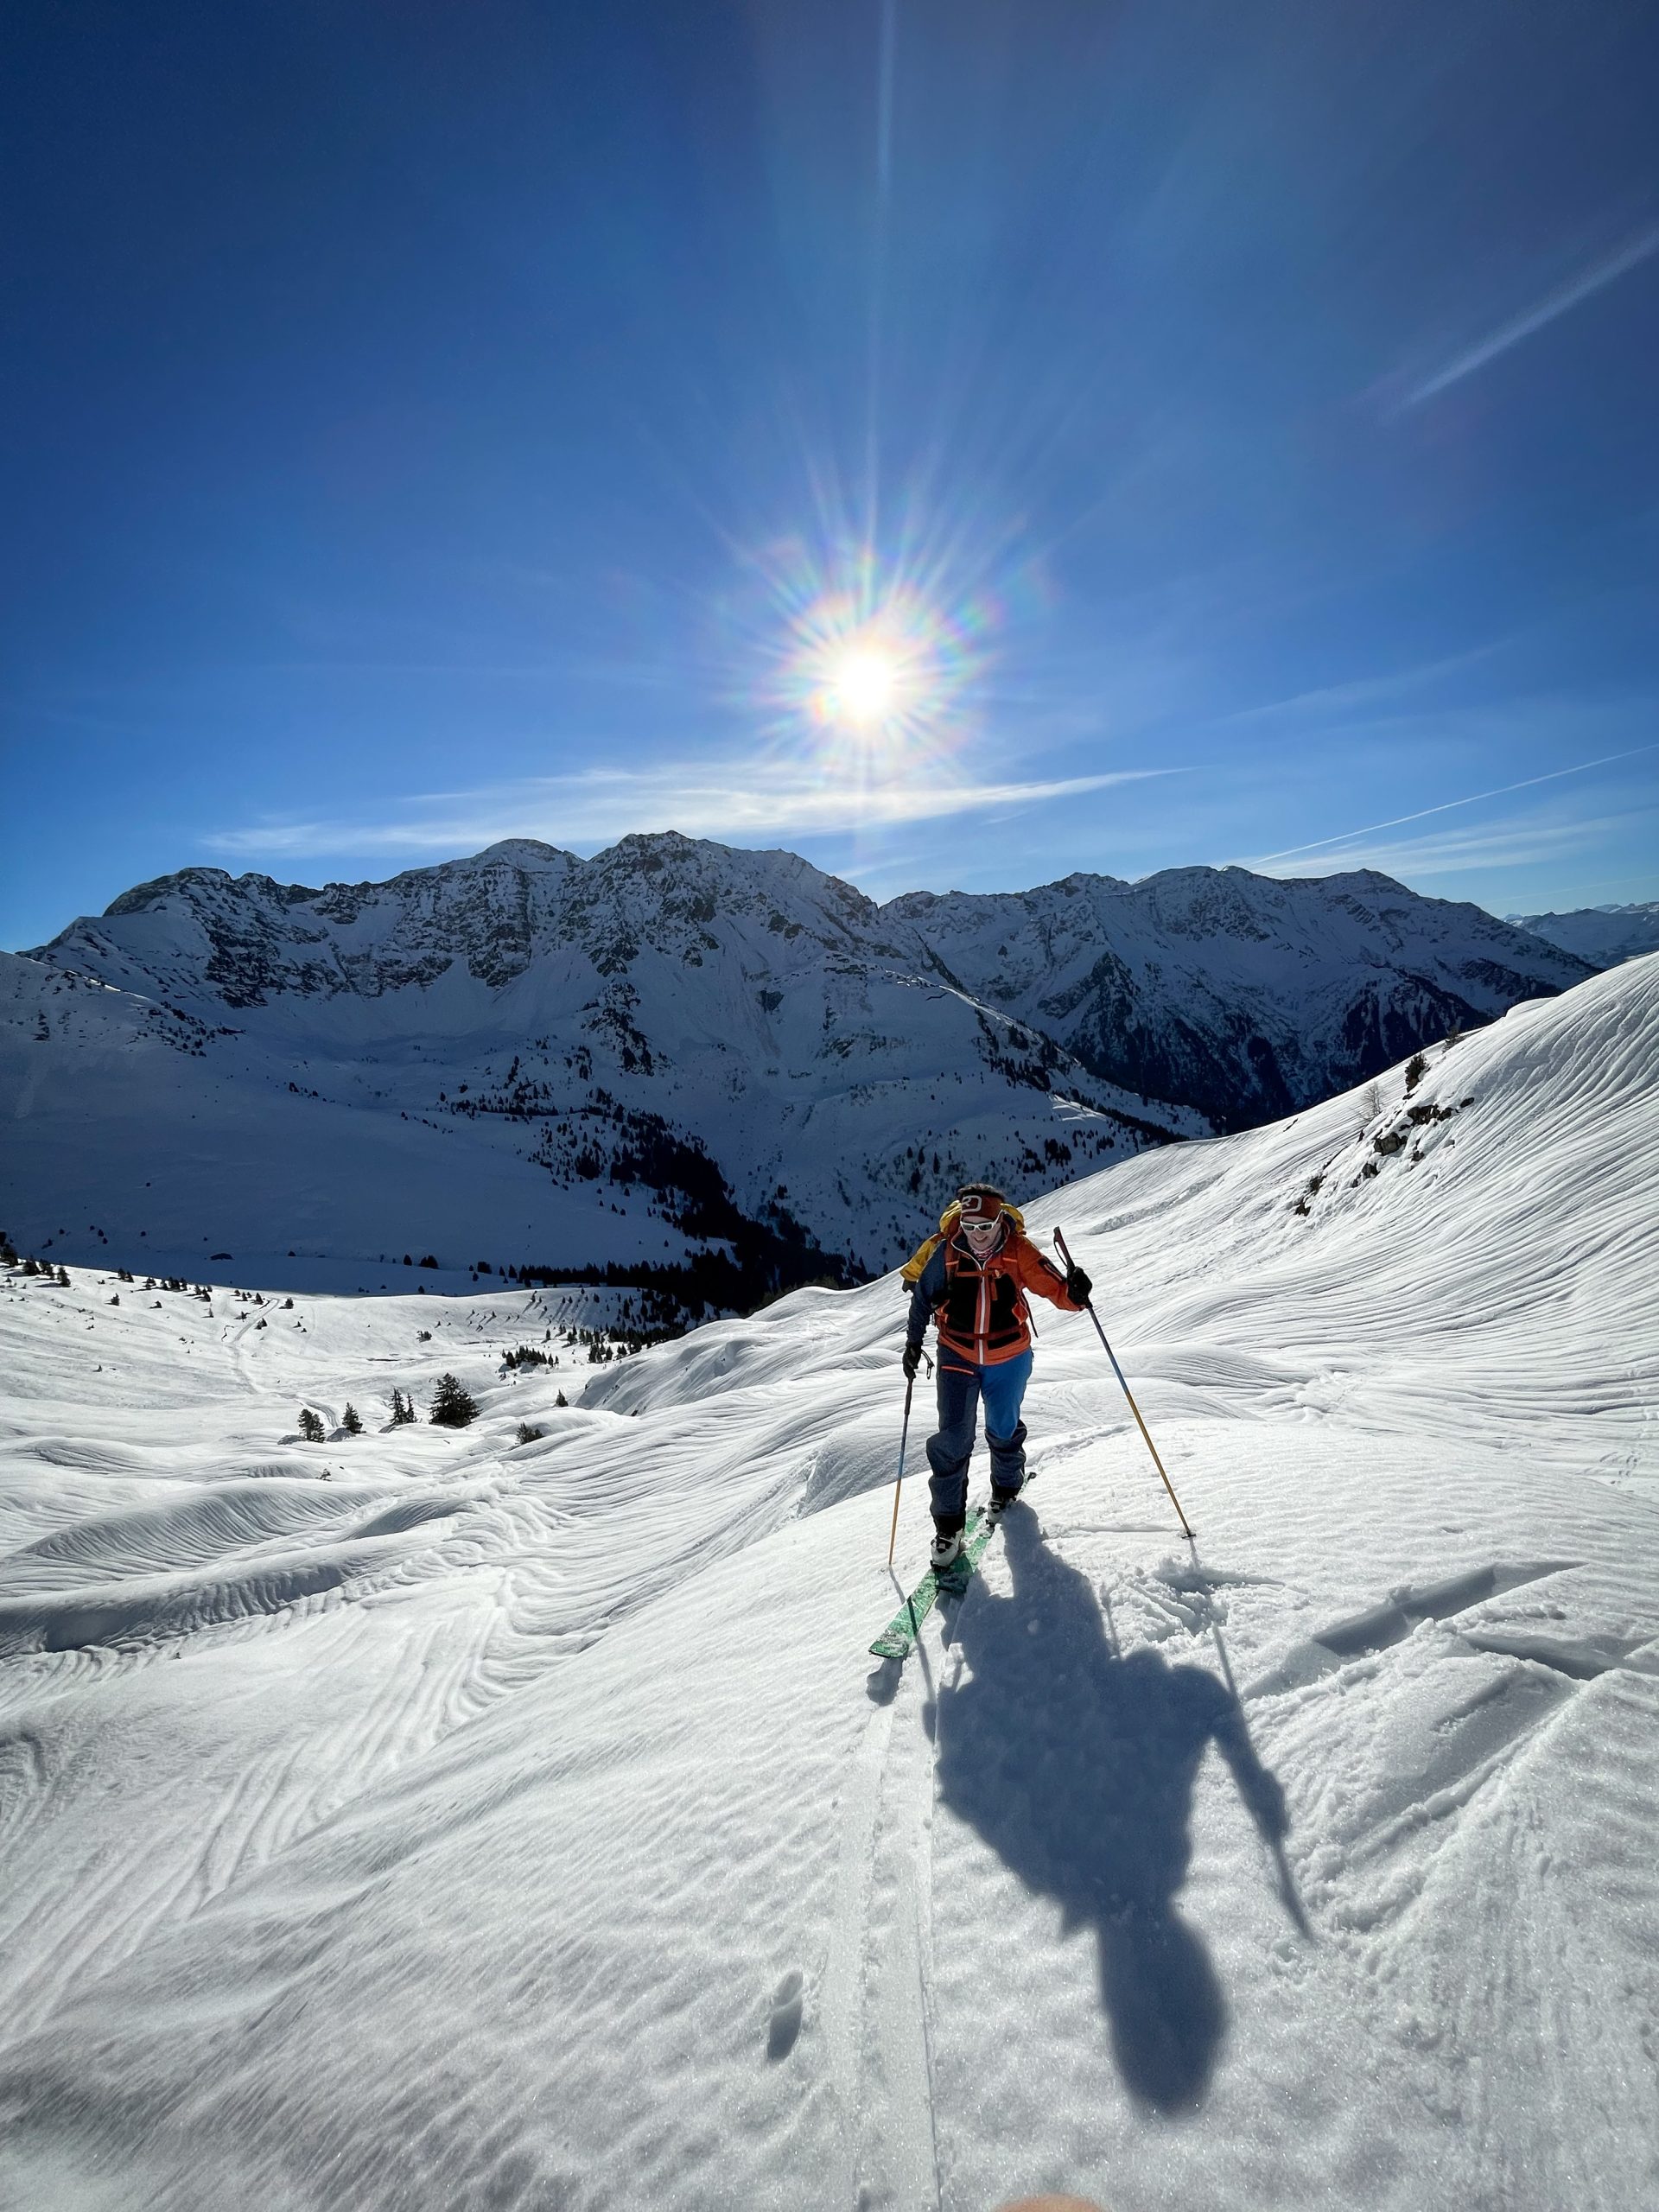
1362,692
1594,279
1515,842
1520,840
1602,883
1500,790
601,805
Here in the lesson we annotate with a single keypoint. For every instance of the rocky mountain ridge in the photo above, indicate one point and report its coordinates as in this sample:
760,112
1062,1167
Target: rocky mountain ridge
678,1046
1605,936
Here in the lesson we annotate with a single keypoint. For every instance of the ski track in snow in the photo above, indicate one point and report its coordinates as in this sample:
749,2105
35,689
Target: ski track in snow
523,1825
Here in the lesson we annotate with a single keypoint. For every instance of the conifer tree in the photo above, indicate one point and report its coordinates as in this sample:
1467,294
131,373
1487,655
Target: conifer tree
310,1425
452,1406
350,1420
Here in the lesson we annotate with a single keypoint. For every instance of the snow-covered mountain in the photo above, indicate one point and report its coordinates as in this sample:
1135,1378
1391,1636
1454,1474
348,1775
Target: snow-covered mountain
1602,934
1239,994
527,1057
523,1823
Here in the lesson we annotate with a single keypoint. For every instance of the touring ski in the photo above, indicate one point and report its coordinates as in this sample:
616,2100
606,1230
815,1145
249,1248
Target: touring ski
898,1639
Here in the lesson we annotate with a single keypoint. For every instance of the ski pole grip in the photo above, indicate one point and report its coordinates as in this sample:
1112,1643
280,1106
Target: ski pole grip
1065,1254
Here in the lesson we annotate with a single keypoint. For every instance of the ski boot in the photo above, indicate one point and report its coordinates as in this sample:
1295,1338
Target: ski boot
945,1549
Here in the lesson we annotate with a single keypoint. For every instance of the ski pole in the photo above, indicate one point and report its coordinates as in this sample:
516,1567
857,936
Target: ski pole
1089,1309
904,1438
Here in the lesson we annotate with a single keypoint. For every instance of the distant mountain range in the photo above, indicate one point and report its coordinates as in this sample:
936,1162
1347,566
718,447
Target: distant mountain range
675,1054
1605,936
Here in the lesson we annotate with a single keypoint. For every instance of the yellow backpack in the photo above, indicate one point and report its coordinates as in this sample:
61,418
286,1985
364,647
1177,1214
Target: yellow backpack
911,1270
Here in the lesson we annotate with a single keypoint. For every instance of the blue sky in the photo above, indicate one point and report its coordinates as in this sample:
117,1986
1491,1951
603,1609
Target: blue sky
1233,426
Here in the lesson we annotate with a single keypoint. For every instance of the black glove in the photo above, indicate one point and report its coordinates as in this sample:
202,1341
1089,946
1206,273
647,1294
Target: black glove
1078,1285
913,1360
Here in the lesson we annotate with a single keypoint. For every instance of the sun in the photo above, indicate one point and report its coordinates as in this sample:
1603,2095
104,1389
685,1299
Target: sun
869,672
863,685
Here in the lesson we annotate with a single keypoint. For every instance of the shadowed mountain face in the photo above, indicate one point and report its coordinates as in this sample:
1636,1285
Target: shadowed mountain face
1242,996
1605,936
707,1042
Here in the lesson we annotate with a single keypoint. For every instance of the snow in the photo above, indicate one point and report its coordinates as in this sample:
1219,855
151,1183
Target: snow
1602,934
526,1825
317,1081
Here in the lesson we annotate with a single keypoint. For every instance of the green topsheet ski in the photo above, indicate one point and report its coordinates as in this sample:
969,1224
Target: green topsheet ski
898,1639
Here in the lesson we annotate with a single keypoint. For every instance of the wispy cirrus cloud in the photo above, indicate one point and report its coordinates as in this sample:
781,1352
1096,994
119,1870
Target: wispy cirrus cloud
1446,806
734,800
1515,841
1606,270
1361,695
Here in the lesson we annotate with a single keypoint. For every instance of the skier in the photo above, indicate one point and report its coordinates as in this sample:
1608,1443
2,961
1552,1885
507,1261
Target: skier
971,1279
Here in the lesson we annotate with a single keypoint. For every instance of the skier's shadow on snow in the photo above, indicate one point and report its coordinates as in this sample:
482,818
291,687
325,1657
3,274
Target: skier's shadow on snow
1076,1764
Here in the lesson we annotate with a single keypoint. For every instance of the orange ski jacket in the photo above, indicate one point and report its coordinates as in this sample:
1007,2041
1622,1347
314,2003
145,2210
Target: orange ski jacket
980,1306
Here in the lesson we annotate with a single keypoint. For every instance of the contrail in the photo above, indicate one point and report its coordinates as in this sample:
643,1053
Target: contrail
1601,274
1446,806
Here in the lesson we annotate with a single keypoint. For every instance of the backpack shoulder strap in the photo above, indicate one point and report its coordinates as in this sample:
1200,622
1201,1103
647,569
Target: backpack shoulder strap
912,1269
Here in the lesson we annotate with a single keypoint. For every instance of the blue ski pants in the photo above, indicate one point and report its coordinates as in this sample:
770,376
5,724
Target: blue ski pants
961,1388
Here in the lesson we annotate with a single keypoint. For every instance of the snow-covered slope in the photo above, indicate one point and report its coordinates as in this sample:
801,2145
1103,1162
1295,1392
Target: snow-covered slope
527,1057
1602,934
1241,996
523,1824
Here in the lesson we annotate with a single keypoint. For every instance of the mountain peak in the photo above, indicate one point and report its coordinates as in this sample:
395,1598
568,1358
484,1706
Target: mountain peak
517,852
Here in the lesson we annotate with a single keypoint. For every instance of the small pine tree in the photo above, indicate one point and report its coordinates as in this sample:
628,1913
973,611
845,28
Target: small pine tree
529,1435
1416,1069
452,1406
350,1420
310,1425
560,1400
403,1410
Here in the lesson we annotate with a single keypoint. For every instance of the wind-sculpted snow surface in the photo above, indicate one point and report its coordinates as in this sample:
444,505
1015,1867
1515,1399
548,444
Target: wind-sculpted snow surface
523,1825
528,1058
